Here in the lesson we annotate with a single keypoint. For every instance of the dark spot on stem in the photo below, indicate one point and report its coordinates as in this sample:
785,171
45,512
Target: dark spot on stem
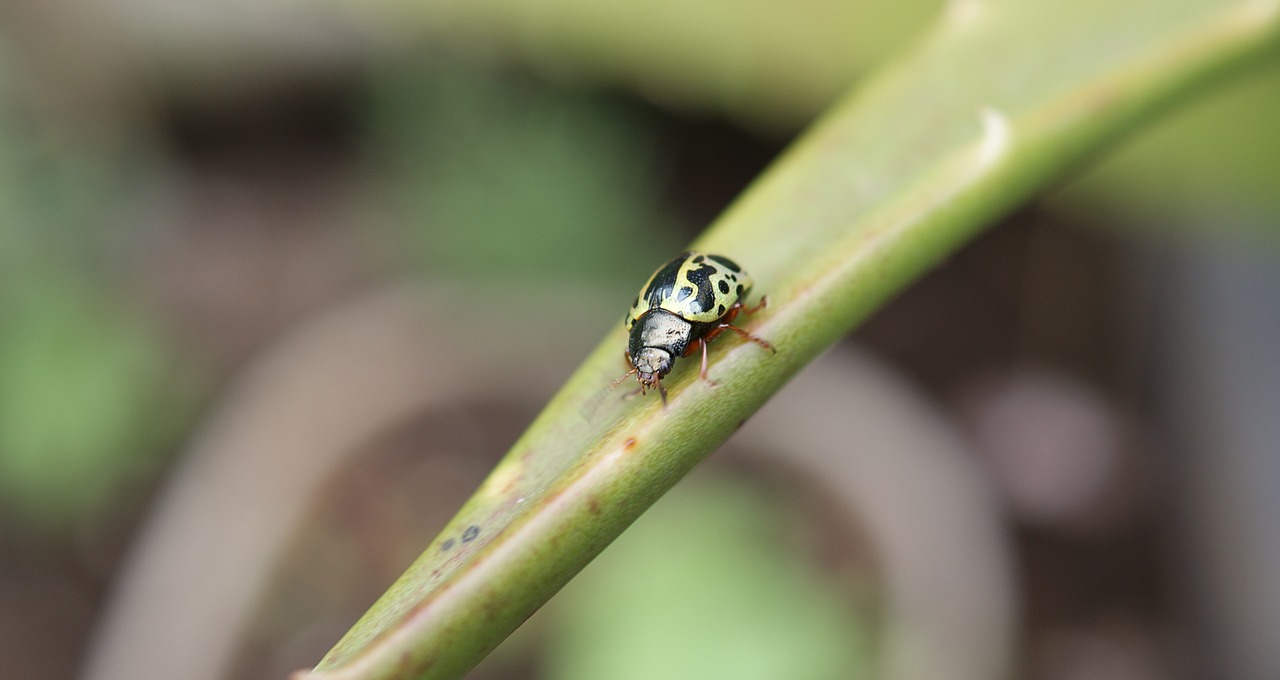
470,534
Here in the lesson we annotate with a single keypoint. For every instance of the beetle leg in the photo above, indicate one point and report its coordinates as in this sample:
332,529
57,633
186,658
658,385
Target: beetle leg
732,314
711,335
764,302
753,338
701,344
703,374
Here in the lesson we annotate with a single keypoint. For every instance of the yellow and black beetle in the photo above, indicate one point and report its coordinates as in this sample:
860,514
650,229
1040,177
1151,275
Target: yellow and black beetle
685,304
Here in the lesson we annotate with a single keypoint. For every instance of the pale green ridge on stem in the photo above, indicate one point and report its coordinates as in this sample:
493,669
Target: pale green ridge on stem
993,104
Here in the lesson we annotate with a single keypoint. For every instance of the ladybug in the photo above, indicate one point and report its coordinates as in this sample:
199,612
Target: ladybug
685,305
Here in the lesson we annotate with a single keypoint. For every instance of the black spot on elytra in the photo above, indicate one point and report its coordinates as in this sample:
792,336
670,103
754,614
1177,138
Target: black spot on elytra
740,289
663,283
470,534
724,287
447,545
699,259
684,293
733,266
701,277
720,311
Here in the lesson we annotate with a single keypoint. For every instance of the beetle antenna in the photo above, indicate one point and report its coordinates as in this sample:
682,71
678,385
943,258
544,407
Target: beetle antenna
622,377
589,408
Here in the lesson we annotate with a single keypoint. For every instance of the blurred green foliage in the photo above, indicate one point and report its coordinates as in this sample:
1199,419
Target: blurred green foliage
769,65
85,393
709,583
503,179
79,404
1211,166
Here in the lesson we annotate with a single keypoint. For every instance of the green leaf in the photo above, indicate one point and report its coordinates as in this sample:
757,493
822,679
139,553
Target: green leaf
998,100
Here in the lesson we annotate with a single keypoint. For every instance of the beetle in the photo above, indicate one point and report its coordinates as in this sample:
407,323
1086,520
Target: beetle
684,305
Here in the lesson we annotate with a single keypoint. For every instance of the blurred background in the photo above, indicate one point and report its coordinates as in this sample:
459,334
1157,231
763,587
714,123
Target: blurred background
272,275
